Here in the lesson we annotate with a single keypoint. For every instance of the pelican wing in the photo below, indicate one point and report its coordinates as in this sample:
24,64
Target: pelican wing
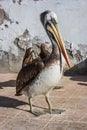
27,74
29,56
45,51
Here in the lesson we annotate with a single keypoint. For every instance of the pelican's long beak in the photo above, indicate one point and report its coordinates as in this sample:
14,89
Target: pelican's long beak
53,28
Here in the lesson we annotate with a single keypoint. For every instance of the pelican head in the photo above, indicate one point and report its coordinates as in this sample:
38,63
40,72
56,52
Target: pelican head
50,23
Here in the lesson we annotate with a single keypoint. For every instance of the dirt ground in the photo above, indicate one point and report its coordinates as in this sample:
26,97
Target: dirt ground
70,100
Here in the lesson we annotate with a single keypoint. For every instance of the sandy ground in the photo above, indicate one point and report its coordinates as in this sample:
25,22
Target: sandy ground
71,98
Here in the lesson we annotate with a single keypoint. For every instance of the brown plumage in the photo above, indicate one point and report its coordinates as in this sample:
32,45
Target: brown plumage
45,51
31,54
29,57
28,73
33,64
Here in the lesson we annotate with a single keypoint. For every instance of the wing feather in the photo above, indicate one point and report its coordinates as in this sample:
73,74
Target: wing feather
32,53
27,74
45,51
29,56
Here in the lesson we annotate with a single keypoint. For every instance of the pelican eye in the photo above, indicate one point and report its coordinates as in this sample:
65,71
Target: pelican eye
53,20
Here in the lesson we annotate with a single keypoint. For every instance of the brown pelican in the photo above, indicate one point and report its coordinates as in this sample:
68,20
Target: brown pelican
42,73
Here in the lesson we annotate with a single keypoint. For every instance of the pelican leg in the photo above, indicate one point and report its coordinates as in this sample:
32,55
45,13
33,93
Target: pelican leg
49,104
36,113
30,103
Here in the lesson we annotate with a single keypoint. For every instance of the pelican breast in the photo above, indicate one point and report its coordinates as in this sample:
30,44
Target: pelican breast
46,80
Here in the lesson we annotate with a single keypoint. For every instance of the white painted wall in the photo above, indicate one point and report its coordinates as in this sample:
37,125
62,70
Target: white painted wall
72,19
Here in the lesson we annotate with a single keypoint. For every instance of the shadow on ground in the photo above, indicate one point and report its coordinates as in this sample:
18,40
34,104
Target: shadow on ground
83,84
10,102
9,83
82,80
79,78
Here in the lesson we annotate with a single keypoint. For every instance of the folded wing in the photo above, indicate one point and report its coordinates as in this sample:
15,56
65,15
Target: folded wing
28,73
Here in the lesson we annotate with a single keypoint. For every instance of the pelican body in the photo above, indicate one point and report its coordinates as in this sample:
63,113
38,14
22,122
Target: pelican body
41,75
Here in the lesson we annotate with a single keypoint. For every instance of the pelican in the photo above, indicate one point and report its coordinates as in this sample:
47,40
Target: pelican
41,74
